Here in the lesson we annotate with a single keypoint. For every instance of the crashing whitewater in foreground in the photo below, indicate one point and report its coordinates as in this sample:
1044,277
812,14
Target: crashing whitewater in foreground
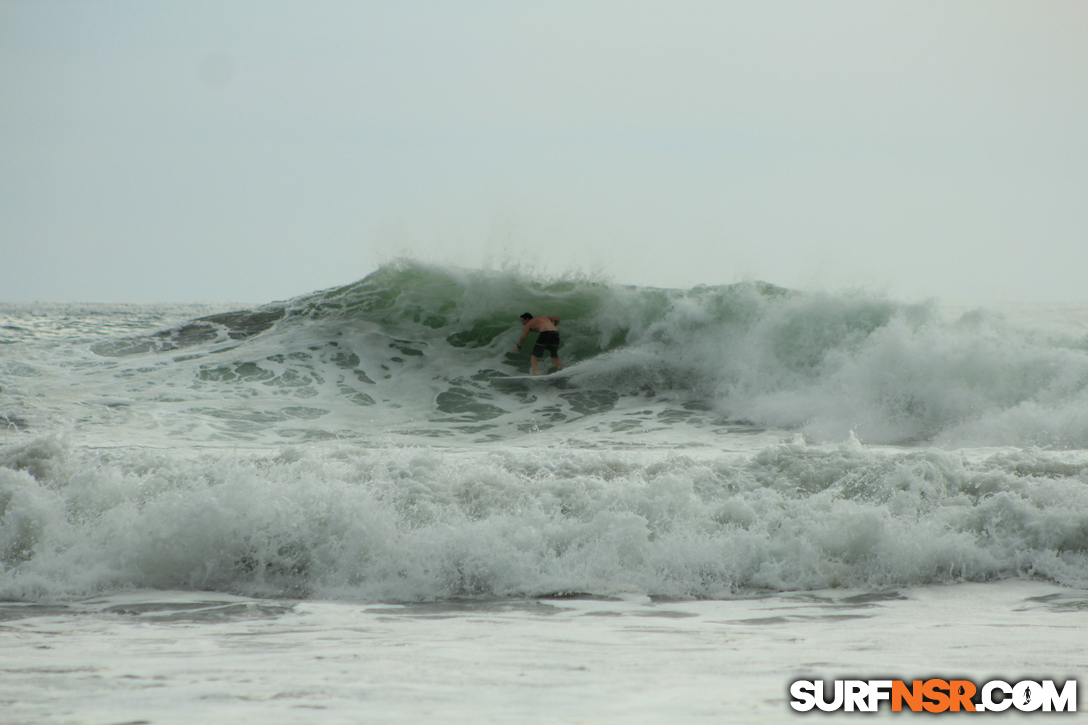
707,443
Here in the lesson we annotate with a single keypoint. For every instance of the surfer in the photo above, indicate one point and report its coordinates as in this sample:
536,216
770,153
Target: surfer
548,339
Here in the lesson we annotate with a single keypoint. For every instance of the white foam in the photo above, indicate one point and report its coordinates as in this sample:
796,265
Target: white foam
411,524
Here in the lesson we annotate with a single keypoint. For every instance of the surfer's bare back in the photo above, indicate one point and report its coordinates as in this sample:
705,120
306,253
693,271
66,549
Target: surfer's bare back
548,339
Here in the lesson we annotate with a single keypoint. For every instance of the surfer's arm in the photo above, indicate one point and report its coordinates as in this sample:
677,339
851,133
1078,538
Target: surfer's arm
522,338
556,320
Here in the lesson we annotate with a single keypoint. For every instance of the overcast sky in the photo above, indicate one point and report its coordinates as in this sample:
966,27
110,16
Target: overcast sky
218,151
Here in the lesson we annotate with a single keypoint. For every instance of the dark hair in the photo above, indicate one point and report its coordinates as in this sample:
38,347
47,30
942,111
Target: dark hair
528,315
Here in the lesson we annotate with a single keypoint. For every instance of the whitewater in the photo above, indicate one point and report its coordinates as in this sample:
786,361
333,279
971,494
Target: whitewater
325,509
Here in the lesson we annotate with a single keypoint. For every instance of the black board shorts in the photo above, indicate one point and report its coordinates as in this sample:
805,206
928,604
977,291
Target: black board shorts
547,340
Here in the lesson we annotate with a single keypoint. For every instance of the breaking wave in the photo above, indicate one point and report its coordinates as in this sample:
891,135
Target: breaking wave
411,350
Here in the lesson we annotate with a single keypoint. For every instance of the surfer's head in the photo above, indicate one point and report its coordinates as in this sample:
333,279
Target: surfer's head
526,316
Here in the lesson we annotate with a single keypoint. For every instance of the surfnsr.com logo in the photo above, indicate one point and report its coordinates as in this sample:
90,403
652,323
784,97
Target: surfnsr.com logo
934,695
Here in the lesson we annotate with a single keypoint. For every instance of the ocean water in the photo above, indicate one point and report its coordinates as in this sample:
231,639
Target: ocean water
332,509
